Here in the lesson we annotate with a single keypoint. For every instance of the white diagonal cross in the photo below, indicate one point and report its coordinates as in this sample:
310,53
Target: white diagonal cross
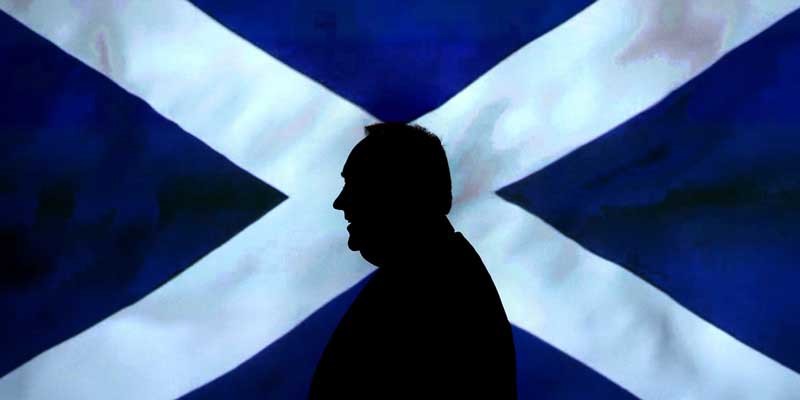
604,66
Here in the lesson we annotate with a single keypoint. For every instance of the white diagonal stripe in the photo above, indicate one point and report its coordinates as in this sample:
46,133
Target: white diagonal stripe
607,318
264,116
228,306
543,102
580,80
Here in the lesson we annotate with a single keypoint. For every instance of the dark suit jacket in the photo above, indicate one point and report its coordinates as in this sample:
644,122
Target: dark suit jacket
434,329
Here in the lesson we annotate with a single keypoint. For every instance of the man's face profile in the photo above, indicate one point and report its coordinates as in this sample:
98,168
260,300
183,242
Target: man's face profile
397,184
360,201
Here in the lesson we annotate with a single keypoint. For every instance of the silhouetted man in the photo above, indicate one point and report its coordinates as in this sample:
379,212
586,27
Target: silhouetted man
429,322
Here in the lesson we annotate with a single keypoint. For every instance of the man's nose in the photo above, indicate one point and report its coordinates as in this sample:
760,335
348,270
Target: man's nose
338,203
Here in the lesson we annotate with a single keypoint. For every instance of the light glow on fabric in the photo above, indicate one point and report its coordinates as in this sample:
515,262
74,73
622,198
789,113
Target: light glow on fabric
539,104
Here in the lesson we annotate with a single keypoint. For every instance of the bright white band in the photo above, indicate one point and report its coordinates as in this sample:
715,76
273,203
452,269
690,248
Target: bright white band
267,118
607,64
608,318
228,306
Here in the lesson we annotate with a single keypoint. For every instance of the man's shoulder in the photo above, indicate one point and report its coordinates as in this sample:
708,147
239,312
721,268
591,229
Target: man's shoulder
463,250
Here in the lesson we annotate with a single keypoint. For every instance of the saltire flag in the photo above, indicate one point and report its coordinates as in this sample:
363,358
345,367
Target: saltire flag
629,171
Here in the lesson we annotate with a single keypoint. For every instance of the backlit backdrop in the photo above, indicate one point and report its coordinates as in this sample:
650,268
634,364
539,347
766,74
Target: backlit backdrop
629,171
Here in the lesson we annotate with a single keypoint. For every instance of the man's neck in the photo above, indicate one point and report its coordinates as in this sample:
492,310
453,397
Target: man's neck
419,240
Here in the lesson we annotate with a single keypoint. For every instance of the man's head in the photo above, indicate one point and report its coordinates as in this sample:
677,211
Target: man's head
396,180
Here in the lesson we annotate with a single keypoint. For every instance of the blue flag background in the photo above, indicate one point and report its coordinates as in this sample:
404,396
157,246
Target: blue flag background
103,200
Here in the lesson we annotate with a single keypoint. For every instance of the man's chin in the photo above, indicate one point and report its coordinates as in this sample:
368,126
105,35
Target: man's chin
353,244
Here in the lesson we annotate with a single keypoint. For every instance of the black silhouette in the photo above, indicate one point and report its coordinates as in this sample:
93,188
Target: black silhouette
429,323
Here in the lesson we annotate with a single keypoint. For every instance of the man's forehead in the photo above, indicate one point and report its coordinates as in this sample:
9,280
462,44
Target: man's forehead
357,160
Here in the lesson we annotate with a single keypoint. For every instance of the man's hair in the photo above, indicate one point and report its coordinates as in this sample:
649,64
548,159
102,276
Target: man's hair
415,157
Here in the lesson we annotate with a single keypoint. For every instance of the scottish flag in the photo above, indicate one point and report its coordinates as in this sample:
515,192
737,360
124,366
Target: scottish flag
628,170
